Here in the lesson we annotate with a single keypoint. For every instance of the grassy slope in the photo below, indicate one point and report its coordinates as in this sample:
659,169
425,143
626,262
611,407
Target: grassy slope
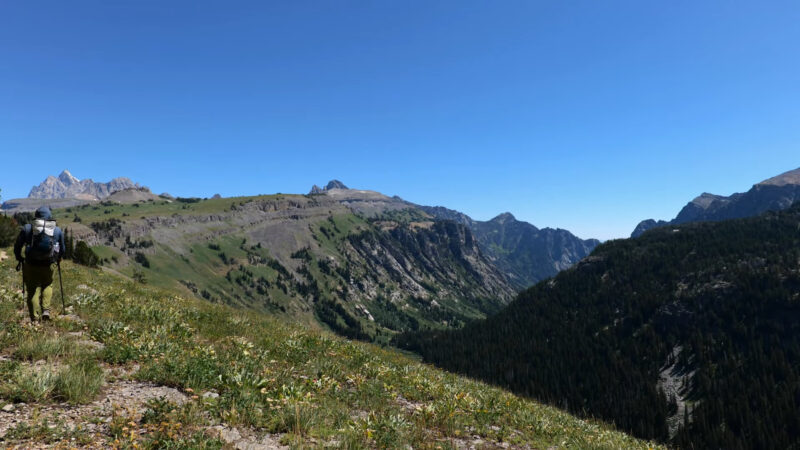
191,265
310,386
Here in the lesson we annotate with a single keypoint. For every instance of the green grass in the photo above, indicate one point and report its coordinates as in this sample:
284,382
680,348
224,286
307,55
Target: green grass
274,376
26,384
106,252
79,382
70,374
44,345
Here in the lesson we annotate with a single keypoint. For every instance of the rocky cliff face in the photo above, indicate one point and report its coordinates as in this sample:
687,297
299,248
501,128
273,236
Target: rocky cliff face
446,250
774,194
529,254
67,186
524,253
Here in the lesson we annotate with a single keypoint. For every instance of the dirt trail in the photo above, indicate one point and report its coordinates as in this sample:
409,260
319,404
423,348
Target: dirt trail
118,397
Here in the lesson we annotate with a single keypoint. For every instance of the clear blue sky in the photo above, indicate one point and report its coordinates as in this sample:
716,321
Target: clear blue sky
582,115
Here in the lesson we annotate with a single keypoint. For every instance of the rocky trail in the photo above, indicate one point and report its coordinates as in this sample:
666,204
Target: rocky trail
120,406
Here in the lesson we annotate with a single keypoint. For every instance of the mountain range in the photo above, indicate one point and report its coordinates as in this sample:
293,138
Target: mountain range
686,334
359,262
522,253
525,253
66,190
67,186
774,194
689,334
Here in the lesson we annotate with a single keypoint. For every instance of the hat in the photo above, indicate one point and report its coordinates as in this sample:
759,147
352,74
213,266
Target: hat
43,213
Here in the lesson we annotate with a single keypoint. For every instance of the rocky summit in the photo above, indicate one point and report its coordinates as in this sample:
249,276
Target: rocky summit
66,190
333,184
67,185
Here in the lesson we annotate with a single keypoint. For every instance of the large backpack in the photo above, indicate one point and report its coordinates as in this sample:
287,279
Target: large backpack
42,244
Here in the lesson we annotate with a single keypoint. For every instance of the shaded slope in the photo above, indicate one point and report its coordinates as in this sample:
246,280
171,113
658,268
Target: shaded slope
526,254
712,305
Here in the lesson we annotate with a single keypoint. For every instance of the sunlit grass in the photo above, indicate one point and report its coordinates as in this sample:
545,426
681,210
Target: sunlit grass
272,376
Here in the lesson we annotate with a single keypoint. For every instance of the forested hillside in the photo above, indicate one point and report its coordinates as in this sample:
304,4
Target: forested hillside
687,334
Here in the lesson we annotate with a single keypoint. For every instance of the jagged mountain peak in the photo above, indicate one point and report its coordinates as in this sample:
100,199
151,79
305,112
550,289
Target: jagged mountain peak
67,185
67,178
333,184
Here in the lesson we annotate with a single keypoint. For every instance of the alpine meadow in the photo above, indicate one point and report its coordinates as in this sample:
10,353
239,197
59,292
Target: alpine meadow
443,224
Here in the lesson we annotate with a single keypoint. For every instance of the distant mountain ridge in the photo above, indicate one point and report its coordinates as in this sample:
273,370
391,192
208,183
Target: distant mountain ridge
67,185
66,191
525,253
773,194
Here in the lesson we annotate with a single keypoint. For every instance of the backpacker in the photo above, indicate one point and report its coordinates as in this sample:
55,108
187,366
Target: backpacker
42,244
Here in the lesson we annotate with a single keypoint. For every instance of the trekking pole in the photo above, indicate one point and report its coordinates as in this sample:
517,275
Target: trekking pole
61,283
19,269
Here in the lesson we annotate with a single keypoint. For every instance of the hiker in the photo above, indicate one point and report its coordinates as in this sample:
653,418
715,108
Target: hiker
44,246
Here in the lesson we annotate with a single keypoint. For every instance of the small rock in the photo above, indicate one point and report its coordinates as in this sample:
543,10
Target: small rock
230,436
210,394
8,408
86,288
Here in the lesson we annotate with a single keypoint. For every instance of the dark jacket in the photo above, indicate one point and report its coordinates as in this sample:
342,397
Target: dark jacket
24,239
25,236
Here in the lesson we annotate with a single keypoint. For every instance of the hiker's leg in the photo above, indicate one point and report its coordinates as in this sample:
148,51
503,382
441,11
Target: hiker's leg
32,294
47,295
35,304
47,288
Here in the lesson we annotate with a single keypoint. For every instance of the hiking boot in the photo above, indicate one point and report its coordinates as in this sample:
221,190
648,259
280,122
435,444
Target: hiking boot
45,316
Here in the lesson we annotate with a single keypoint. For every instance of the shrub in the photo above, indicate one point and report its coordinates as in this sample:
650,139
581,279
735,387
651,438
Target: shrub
84,255
138,276
141,259
9,230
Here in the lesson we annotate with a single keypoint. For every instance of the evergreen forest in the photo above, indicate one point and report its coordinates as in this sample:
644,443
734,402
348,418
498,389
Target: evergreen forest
688,335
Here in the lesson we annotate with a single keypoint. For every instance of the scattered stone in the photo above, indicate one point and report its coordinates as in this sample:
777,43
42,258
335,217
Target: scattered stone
8,408
210,394
91,344
84,287
71,318
234,438
408,405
